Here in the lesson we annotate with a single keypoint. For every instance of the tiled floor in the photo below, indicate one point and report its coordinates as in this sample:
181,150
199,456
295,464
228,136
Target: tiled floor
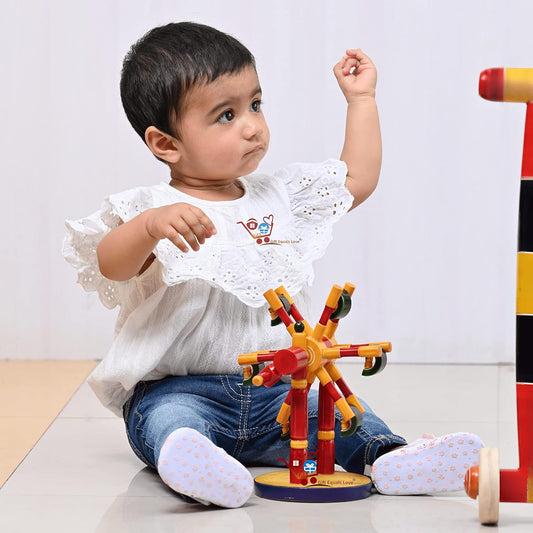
82,477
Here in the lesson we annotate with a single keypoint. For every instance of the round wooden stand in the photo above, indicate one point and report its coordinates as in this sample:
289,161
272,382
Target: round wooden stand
489,485
337,487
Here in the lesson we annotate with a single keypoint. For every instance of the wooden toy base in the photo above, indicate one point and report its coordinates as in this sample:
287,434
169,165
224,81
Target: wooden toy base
489,486
337,487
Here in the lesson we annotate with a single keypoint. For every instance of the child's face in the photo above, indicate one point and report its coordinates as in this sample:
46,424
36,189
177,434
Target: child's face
223,133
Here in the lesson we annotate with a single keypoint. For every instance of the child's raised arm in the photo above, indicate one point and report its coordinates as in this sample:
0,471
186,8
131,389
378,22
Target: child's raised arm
124,251
356,75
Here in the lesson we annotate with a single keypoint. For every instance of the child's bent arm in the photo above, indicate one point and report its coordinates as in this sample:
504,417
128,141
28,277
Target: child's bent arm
362,148
361,152
124,251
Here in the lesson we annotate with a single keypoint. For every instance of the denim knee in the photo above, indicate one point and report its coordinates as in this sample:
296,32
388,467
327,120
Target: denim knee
150,421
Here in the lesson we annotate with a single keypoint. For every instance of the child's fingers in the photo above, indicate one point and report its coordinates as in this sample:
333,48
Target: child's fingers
341,69
350,64
345,67
357,53
205,221
356,74
359,56
174,237
192,233
199,224
192,226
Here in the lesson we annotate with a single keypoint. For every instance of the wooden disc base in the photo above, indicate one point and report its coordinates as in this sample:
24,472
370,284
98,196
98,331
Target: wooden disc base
489,486
336,487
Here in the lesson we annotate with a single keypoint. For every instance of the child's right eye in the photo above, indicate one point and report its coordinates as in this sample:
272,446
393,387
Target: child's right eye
226,117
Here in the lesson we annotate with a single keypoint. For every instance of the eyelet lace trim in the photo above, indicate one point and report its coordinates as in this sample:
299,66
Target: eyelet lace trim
317,197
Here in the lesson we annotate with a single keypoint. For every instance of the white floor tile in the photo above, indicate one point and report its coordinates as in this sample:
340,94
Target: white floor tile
84,405
52,513
77,456
83,477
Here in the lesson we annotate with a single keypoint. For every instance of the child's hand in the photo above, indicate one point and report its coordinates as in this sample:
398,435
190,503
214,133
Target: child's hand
178,223
356,75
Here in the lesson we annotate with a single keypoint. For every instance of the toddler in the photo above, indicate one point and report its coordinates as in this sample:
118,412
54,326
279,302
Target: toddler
188,262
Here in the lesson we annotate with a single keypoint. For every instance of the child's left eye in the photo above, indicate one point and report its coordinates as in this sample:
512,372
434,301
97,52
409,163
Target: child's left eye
256,106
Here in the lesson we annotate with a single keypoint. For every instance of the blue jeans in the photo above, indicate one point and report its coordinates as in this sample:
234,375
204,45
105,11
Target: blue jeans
241,420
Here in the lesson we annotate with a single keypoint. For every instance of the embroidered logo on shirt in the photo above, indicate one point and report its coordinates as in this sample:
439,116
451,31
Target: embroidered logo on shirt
261,231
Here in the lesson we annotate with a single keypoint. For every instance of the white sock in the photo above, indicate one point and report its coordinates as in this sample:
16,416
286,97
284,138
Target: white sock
191,464
427,465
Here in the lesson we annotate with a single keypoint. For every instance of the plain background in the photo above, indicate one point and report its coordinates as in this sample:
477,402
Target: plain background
432,252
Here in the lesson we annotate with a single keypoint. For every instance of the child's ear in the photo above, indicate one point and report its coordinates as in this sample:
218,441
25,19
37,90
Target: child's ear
162,145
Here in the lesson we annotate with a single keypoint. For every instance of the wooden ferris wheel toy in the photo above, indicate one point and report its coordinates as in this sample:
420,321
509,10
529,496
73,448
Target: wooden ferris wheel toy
312,356
487,481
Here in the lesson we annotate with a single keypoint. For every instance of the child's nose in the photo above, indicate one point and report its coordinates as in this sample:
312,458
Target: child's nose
252,127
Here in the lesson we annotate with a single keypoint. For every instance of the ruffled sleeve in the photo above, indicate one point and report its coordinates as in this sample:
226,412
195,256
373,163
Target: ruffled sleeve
301,203
318,198
84,235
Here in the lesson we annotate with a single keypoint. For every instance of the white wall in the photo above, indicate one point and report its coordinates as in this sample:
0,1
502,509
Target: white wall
432,252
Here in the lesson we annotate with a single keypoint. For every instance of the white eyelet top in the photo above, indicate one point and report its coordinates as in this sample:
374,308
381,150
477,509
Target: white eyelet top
195,312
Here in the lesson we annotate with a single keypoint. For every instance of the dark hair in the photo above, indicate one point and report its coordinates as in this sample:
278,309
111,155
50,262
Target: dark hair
166,62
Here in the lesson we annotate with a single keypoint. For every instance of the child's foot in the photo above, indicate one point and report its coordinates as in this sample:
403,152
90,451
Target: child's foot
427,465
192,465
